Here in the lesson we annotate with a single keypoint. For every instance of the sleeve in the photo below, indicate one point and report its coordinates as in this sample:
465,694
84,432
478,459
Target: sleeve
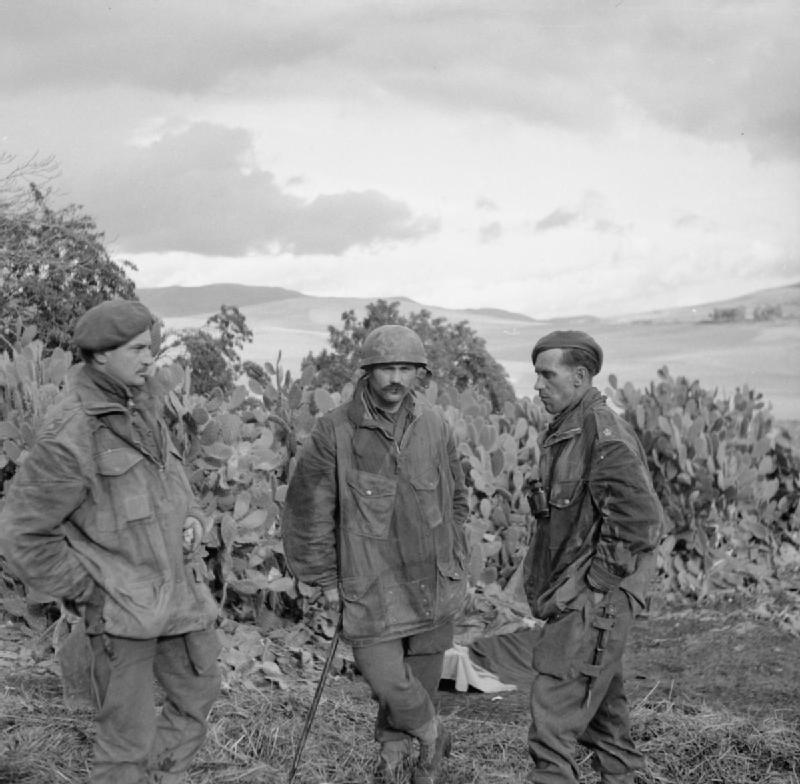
194,509
48,488
631,514
308,525
460,503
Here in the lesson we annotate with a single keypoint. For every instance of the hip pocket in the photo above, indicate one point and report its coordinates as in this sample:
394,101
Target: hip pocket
563,645
426,490
452,588
363,614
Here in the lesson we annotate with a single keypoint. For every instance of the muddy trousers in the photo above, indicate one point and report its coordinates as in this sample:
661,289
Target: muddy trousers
575,699
132,745
404,677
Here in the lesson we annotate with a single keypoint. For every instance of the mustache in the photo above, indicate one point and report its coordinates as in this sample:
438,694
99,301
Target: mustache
393,388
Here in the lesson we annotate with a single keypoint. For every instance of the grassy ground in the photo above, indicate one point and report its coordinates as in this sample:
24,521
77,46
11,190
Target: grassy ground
715,696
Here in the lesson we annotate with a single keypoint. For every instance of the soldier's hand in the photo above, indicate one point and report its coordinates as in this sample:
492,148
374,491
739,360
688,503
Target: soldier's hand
192,535
331,599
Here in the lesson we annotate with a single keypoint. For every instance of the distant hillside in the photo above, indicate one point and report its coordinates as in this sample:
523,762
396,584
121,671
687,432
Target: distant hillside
498,313
182,301
178,301
724,356
787,297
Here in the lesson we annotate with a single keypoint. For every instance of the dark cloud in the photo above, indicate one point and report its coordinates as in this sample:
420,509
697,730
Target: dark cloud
557,219
720,71
197,191
179,46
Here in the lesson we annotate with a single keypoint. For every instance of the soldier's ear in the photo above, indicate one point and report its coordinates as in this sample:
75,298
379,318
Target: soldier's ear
581,374
100,357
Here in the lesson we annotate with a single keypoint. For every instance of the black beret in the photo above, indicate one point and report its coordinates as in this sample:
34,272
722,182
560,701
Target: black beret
569,338
111,324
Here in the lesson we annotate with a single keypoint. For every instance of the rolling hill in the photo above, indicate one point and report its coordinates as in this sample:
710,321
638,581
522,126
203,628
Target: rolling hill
762,355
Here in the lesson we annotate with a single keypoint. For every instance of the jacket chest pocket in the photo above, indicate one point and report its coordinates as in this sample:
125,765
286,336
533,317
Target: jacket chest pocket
125,483
371,504
566,493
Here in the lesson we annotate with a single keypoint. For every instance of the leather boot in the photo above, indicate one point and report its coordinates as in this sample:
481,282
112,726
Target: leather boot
431,755
393,762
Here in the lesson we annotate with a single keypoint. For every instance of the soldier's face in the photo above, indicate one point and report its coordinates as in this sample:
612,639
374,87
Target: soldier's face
391,383
130,363
558,385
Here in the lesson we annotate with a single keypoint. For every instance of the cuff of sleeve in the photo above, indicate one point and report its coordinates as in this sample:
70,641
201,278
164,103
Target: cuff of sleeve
601,579
83,591
206,521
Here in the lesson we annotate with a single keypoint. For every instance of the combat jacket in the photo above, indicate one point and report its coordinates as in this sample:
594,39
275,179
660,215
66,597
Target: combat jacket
380,517
605,519
94,517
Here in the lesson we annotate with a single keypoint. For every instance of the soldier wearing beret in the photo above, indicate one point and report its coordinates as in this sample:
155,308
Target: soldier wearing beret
101,516
588,567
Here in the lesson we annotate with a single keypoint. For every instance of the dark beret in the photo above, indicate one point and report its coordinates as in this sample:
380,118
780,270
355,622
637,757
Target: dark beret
111,324
569,338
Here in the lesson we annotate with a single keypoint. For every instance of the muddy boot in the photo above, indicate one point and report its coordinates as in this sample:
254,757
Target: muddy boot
393,762
431,755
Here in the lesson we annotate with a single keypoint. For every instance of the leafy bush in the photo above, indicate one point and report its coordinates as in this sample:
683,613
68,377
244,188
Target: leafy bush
212,352
767,312
457,356
727,478
53,268
726,475
727,315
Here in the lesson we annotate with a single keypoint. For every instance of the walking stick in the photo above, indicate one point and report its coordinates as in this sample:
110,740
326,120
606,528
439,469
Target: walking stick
315,702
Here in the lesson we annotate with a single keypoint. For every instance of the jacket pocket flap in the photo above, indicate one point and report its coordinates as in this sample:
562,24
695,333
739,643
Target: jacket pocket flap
354,589
115,462
371,485
452,569
426,481
564,494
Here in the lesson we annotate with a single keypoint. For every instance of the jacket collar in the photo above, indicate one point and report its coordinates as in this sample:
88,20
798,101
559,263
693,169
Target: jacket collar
100,394
569,422
359,411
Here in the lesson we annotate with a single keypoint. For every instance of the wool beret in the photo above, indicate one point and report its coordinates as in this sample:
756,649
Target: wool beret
111,324
568,338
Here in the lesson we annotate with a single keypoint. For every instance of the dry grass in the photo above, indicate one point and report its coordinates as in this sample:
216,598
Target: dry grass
253,734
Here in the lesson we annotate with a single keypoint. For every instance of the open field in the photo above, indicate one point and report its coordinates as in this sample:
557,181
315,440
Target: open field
715,695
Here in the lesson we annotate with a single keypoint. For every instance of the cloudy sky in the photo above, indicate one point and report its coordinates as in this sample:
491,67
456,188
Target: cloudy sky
552,157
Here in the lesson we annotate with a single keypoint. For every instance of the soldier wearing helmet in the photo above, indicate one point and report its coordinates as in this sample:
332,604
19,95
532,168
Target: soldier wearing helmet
374,515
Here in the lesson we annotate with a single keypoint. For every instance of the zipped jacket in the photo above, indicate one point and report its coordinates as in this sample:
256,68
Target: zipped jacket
381,518
605,518
94,517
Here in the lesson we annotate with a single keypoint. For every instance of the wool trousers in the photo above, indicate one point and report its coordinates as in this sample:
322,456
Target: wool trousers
577,695
404,676
133,744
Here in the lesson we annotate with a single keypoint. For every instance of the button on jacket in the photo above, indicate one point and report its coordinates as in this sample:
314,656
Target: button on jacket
382,517
605,518
96,512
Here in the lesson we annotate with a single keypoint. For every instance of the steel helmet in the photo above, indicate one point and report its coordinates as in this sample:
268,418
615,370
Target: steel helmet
392,344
